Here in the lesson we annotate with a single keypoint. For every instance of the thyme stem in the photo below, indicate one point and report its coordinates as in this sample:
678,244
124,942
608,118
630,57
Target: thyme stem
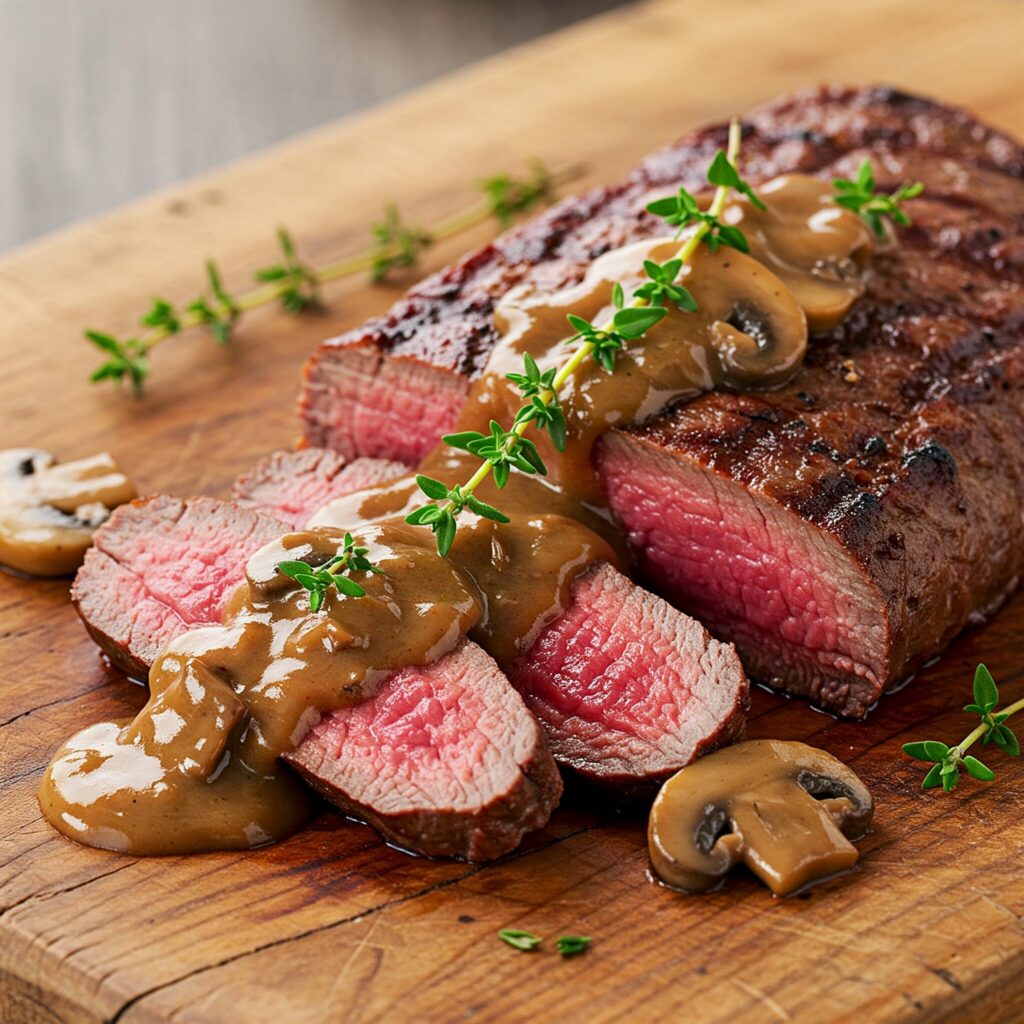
965,744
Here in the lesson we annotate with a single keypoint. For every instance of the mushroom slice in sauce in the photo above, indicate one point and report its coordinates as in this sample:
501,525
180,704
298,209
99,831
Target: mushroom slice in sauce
48,512
786,810
818,249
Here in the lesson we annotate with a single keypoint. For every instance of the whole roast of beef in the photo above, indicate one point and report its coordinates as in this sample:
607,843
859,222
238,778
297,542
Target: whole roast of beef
840,530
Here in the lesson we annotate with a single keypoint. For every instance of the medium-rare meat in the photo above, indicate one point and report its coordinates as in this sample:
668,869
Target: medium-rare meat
444,760
629,688
840,530
291,486
161,566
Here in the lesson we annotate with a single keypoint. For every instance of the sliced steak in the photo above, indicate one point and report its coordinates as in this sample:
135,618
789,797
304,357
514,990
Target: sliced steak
842,530
445,760
292,485
629,689
160,566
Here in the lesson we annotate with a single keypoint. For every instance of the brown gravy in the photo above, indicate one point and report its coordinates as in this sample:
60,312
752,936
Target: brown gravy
198,768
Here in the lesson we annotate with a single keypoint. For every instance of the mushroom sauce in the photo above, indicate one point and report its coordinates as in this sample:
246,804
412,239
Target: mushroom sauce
198,768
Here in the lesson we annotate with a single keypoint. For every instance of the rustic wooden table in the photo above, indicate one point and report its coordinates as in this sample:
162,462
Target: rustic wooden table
331,925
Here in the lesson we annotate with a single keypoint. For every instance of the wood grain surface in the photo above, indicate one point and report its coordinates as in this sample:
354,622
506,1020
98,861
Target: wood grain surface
332,925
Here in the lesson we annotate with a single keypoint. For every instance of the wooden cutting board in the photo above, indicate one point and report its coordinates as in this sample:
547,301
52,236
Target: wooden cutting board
332,925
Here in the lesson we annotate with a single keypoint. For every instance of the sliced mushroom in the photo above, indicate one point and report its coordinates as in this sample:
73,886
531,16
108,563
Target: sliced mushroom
749,317
48,512
786,810
817,248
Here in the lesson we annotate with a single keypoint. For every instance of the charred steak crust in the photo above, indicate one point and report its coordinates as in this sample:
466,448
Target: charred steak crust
897,453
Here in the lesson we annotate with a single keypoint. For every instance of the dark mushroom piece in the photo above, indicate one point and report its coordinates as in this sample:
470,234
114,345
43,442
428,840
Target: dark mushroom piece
818,249
786,810
48,512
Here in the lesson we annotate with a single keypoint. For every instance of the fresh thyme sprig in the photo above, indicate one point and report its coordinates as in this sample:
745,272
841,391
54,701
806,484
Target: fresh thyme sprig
319,579
296,285
947,761
502,450
861,197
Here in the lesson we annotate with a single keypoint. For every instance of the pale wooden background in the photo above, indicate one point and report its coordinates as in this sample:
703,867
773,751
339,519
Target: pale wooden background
105,100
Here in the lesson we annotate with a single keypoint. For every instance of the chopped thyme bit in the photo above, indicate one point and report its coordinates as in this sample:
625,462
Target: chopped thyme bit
526,942
572,945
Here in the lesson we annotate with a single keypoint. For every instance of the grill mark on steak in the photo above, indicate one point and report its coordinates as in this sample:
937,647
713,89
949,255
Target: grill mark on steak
937,346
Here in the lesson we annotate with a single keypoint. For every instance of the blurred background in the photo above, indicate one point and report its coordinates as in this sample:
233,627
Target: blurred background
105,100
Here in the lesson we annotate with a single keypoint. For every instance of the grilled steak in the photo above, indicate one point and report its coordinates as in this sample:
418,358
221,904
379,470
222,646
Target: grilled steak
628,688
291,486
444,760
842,530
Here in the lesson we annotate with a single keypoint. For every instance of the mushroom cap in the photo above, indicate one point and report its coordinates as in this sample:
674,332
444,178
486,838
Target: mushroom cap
785,809
48,512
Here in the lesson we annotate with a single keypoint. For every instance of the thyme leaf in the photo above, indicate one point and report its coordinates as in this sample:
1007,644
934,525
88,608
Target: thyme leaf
298,285
127,360
218,314
508,196
396,244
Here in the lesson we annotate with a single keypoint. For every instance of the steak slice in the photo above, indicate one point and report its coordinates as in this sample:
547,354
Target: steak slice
843,529
292,485
161,566
445,760
629,689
